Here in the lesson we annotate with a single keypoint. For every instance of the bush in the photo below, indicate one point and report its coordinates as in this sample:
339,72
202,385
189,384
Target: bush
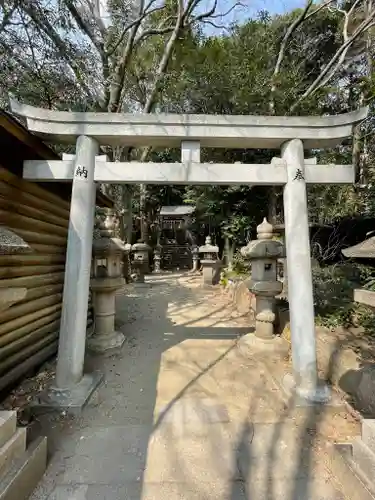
241,267
333,295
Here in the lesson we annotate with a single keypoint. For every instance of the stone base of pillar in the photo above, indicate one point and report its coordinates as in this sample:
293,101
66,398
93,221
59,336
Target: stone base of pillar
138,277
306,396
207,275
252,345
104,343
71,400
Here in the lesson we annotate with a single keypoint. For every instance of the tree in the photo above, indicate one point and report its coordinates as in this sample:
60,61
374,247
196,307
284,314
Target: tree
315,60
79,56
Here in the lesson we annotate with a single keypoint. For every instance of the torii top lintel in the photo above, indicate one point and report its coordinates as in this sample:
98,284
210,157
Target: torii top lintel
169,130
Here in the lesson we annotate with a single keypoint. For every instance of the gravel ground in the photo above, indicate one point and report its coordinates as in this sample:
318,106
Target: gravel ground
183,414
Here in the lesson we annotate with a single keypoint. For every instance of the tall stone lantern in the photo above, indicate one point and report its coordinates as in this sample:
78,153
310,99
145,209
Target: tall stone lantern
264,253
140,260
209,260
157,259
108,251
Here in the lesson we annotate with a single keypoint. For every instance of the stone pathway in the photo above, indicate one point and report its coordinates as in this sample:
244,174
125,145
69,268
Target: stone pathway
184,415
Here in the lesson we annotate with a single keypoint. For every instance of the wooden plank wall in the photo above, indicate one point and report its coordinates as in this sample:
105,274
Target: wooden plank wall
29,329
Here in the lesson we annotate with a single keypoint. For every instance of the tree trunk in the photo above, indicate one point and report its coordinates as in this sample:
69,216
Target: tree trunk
142,212
272,205
128,216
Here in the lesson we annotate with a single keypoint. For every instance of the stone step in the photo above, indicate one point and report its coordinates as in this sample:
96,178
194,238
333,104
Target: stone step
8,426
12,449
368,433
25,473
364,458
347,474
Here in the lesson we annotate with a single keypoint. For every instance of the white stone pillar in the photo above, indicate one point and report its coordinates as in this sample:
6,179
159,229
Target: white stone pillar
72,341
300,291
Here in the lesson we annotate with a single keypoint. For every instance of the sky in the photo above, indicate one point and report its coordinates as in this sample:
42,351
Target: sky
250,9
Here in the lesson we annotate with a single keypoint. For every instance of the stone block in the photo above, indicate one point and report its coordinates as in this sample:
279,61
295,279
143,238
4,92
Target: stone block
25,473
366,297
347,474
364,458
365,394
72,400
368,433
12,449
8,426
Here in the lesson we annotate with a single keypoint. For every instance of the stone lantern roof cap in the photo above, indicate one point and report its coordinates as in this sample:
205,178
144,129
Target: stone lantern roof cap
11,243
208,247
107,246
264,247
140,246
265,230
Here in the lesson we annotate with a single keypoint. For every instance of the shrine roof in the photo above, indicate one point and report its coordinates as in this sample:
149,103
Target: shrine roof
177,210
363,250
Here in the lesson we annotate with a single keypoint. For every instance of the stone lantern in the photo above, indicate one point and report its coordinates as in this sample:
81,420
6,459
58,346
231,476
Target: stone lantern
264,253
209,260
140,260
157,259
12,244
108,251
195,255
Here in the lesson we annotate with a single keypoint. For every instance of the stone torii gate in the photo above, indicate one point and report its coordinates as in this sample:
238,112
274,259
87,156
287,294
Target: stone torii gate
91,130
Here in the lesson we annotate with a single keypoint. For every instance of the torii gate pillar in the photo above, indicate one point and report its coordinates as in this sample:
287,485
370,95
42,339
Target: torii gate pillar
300,286
71,388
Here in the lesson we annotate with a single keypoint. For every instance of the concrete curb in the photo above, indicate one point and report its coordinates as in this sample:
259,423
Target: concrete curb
348,475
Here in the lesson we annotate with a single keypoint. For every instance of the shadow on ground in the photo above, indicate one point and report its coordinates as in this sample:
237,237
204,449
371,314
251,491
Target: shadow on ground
182,414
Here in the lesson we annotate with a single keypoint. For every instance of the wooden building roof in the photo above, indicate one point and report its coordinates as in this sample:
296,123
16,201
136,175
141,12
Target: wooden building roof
18,144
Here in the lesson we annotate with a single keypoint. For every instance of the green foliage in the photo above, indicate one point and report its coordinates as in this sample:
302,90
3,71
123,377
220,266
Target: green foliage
241,267
333,295
48,59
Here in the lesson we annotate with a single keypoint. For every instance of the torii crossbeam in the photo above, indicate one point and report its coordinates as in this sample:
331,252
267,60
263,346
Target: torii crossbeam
89,131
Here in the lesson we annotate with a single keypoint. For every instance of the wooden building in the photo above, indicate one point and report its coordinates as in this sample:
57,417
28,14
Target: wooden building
175,237
39,214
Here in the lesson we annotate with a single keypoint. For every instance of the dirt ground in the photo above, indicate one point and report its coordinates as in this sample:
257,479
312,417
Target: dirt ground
183,413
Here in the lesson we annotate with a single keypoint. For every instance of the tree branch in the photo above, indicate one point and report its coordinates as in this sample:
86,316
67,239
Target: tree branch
8,16
211,15
45,26
294,25
82,24
318,9
130,25
335,63
120,69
